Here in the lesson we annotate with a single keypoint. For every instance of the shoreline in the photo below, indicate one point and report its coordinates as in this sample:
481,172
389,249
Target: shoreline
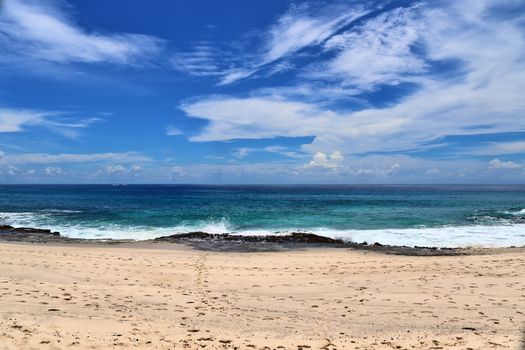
238,243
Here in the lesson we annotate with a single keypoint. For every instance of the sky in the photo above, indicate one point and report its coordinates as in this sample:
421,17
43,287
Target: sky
273,91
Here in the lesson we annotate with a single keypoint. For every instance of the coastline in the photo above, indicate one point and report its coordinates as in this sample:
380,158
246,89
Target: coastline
239,243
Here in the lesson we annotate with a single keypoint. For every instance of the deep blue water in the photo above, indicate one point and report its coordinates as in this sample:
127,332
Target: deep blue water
439,215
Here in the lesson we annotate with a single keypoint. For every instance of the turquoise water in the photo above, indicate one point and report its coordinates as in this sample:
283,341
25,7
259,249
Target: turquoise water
412,215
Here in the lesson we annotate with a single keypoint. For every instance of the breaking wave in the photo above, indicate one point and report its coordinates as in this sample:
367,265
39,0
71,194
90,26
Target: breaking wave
491,230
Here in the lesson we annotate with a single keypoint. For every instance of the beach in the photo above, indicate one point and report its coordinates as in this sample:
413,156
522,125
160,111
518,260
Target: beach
171,296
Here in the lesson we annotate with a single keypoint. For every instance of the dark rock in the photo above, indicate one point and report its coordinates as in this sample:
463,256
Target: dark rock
27,230
240,243
295,237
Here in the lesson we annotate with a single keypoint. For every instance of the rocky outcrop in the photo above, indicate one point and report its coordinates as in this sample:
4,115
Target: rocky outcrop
27,230
240,243
295,237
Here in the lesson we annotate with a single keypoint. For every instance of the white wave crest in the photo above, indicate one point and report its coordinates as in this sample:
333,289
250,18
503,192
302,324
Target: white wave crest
519,212
60,211
22,218
445,237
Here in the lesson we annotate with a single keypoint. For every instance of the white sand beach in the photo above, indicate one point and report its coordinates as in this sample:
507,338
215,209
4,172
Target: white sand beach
169,296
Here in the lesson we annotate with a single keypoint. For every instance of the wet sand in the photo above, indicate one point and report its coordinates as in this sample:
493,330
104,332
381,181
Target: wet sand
170,296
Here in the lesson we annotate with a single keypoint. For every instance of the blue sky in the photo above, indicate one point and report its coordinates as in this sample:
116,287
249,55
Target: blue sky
176,91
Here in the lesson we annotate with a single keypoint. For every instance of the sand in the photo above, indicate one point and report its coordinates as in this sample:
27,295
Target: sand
168,296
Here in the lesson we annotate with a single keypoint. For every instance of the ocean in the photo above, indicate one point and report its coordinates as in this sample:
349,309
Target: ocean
431,215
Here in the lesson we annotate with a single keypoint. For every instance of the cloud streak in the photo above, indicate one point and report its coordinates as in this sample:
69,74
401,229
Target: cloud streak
45,158
300,27
42,31
18,120
496,148
14,120
203,59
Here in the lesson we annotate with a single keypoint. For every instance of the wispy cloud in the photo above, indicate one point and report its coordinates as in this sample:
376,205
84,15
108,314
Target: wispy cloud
284,151
242,152
304,25
234,74
485,92
301,26
14,120
17,120
173,131
45,158
380,51
309,91
203,59
43,31
497,148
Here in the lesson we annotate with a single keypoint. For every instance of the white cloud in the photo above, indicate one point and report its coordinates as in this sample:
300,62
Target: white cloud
44,158
14,120
335,162
324,160
176,172
498,164
53,171
283,151
235,74
496,148
375,172
11,169
116,169
433,171
44,31
234,118
242,152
